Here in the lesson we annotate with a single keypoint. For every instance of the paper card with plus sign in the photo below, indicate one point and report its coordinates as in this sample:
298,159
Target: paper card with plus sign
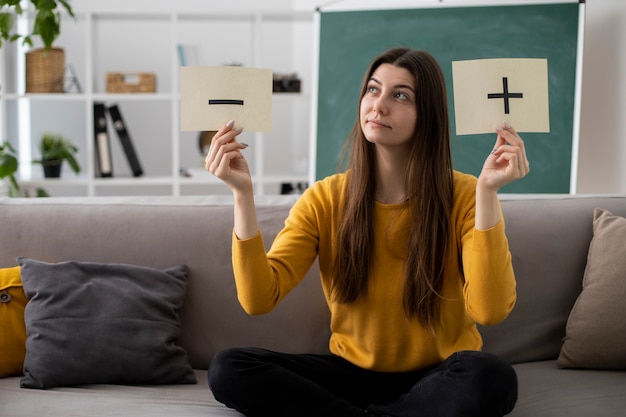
211,96
490,91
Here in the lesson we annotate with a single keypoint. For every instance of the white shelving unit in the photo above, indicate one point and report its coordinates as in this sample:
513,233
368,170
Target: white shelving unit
100,40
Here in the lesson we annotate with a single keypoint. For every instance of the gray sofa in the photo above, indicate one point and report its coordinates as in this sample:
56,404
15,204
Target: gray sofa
549,238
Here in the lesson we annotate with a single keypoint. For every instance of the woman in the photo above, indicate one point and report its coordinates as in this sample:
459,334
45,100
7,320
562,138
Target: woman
412,256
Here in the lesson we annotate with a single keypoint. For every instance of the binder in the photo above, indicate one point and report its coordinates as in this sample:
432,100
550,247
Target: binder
103,145
124,136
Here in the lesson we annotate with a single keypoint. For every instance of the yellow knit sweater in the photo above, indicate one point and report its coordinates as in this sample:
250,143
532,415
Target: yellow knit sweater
374,332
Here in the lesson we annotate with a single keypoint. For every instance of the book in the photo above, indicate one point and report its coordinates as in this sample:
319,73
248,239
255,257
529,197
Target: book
127,143
187,55
182,60
103,145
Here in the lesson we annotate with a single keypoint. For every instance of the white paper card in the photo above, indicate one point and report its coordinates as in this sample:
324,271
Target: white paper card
211,96
490,91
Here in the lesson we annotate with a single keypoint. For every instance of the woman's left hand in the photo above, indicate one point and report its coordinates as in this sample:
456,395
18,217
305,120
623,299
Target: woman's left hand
507,162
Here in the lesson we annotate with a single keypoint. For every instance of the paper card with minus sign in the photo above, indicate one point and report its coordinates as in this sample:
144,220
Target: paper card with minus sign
211,96
490,91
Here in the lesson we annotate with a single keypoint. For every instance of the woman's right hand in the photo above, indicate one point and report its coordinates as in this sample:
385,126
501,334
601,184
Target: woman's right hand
225,161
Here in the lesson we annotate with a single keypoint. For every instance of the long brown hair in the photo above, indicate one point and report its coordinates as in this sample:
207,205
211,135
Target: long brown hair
429,183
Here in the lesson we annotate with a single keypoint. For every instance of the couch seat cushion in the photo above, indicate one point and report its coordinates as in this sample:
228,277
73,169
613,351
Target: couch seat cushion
546,390
113,400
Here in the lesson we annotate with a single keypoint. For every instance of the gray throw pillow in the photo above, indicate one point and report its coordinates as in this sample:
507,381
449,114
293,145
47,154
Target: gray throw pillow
596,330
91,323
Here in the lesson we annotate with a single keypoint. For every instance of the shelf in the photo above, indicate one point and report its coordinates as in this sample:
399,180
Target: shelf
134,97
60,97
124,96
205,177
129,38
63,181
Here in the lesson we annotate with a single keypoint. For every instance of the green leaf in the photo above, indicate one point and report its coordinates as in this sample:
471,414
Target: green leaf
73,163
8,165
6,23
68,7
47,26
14,187
42,193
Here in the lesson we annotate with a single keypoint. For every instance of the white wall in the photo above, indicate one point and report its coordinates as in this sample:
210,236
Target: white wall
602,167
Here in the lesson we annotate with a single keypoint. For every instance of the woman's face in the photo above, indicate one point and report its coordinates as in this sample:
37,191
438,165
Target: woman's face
388,112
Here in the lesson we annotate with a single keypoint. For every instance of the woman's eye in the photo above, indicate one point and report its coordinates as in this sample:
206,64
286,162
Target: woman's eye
402,96
372,89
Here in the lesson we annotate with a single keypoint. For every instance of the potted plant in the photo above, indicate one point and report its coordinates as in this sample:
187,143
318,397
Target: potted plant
45,67
54,150
8,167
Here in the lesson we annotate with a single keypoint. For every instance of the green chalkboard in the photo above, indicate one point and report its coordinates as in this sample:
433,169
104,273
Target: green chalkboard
350,39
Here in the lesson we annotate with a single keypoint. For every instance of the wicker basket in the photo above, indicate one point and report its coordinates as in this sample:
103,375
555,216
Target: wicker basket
45,70
131,82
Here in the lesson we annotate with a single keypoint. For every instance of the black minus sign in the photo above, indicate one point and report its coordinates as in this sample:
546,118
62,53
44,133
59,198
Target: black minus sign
225,101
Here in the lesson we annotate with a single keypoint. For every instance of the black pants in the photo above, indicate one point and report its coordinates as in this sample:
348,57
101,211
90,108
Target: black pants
262,383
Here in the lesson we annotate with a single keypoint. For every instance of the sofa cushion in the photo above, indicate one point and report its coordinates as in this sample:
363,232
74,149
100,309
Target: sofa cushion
13,334
113,400
547,391
90,323
596,330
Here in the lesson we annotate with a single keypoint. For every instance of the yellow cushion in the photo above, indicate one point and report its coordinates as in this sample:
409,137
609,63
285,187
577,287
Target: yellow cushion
13,334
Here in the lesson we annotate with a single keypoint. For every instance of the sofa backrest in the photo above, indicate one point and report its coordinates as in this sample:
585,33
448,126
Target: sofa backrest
163,232
549,239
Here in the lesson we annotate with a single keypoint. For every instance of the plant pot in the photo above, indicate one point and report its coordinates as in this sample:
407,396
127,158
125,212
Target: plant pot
45,70
52,169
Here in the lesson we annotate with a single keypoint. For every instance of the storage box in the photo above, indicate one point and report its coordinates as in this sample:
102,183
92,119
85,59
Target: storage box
131,82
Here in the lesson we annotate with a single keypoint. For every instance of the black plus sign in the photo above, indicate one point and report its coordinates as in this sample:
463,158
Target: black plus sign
505,94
